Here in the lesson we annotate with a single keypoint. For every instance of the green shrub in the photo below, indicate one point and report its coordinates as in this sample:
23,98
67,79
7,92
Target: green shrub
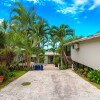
80,71
1,71
76,68
86,69
28,69
94,76
10,74
64,67
56,60
16,65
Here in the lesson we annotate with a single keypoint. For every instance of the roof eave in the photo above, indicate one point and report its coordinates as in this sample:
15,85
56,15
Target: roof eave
82,39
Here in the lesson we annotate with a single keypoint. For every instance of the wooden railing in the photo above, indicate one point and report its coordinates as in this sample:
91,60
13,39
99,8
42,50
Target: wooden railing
67,59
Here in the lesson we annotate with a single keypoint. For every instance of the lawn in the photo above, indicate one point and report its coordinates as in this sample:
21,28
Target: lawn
17,75
95,84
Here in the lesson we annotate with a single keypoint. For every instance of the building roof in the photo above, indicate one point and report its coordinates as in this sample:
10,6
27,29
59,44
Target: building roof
48,53
84,39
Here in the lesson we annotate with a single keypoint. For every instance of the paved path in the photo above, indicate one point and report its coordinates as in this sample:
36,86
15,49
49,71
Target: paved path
50,67
50,85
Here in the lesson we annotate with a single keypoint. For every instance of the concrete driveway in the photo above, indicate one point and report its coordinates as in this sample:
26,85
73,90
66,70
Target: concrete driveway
50,85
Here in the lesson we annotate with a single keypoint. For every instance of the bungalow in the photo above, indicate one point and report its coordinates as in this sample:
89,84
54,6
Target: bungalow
49,55
86,51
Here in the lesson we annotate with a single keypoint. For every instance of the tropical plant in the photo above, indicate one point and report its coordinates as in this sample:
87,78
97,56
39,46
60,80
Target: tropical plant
2,40
41,33
80,71
94,76
10,74
62,33
23,18
64,67
56,60
1,71
53,40
7,56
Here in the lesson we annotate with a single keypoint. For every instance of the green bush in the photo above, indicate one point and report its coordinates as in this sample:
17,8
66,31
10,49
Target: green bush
80,71
56,60
42,58
94,76
1,71
76,68
64,67
10,74
86,69
16,65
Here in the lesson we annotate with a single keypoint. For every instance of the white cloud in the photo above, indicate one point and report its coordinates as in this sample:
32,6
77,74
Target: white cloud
7,4
13,0
41,1
1,20
35,1
58,1
71,10
92,7
95,4
80,2
62,6
74,8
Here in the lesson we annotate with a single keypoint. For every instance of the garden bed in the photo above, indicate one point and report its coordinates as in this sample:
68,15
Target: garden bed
17,75
85,78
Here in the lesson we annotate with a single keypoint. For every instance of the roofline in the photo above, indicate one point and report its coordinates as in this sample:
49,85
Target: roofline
83,39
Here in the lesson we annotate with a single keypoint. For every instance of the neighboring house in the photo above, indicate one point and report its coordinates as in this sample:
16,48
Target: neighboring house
86,51
49,55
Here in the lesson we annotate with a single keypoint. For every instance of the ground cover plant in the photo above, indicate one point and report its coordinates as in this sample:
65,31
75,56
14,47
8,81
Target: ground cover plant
91,75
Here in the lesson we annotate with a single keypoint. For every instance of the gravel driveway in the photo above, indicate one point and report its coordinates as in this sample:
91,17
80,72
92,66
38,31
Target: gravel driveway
50,85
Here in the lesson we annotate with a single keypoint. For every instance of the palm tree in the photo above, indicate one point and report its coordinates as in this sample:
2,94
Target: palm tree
4,26
53,40
6,54
41,31
2,40
20,43
23,18
62,33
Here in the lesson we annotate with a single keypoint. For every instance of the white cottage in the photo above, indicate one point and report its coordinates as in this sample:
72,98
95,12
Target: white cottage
86,51
49,55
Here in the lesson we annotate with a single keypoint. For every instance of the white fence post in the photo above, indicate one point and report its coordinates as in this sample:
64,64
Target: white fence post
72,67
58,66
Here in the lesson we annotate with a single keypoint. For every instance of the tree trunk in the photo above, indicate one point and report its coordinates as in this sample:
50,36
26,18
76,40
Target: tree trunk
38,60
61,55
38,53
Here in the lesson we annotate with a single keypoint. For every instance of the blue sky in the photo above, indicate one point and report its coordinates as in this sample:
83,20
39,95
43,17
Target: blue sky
81,15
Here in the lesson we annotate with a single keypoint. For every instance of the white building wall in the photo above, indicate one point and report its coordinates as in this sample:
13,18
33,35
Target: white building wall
46,60
88,54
